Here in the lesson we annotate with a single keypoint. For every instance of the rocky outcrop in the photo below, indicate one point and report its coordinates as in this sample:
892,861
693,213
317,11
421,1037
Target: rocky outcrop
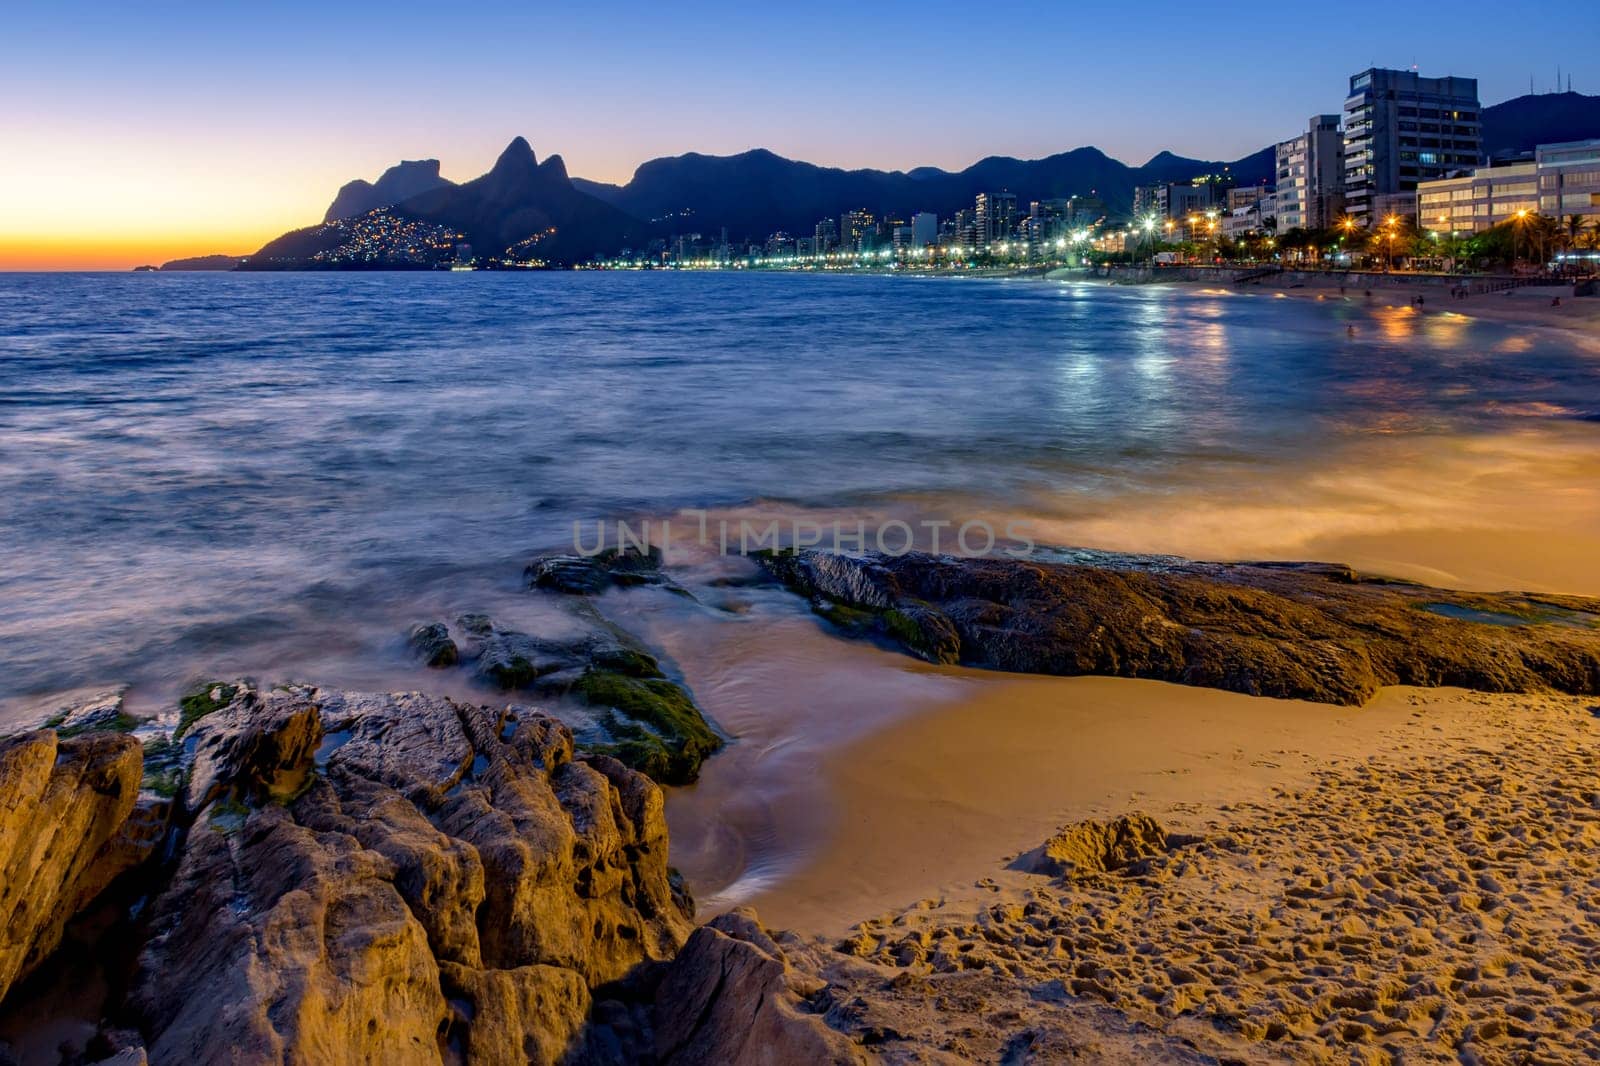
75,711
431,643
276,943
260,743
590,575
732,999
399,877
640,716
1293,630
395,877
65,835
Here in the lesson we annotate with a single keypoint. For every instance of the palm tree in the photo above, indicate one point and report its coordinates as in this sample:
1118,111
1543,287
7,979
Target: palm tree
1541,231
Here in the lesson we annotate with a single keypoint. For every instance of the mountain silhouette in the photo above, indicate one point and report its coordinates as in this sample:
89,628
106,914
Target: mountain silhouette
759,192
412,177
521,199
523,209
1521,123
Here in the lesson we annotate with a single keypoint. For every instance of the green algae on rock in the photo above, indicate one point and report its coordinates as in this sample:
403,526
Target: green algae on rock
1312,631
649,722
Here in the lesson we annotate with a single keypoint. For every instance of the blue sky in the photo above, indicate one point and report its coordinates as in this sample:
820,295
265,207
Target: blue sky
276,104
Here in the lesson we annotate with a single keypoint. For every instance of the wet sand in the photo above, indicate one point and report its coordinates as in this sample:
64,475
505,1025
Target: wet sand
1513,510
863,780
929,806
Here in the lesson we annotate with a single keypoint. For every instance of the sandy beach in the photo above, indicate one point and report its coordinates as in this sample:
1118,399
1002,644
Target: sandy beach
933,805
1527,306
1421,889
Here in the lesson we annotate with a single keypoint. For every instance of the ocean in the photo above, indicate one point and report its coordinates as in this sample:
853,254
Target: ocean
210,471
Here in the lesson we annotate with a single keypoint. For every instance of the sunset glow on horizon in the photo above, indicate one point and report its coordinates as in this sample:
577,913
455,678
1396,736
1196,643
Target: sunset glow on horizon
135,136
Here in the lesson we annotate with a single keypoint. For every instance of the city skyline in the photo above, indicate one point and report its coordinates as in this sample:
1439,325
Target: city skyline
146,136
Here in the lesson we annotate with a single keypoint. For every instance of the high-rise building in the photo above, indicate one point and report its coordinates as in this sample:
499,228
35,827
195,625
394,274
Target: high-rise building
858,231
825,236
1311,176
1251,210
1175,200
965,229
924,229
995,215
1084,211
1401,129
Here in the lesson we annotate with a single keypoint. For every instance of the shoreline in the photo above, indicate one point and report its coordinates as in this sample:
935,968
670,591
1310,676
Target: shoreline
1525,306
935,809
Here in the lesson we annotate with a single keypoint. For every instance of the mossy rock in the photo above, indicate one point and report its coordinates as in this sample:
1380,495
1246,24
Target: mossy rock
122,723
228,814
511,671
430,642
163,766
206,699
924,631
853,620
658,729
920,629
627,661
165,783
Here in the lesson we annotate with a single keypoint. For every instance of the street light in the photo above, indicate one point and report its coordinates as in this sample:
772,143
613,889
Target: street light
1387,236
1516,234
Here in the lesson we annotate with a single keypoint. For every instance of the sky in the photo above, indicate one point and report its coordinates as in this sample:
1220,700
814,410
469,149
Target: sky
140,132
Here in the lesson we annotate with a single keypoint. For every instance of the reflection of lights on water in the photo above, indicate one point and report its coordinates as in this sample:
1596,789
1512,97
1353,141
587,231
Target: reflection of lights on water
1397,323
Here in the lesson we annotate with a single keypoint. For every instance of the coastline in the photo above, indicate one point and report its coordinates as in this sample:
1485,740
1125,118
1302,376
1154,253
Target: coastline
880,782
1526,306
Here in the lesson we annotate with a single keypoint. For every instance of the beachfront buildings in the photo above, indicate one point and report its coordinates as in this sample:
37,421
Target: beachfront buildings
1251,209
1477,200
1310,171
1569,180
1560,181
1174,200
858,231
995,215
1401,129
